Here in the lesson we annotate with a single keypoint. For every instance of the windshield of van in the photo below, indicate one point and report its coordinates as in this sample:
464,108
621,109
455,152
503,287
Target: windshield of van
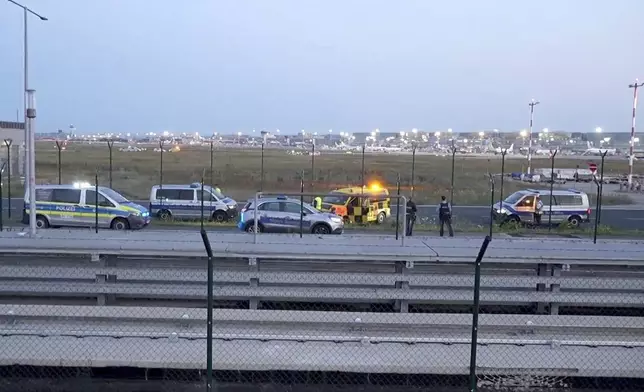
336,199
514,198
114,195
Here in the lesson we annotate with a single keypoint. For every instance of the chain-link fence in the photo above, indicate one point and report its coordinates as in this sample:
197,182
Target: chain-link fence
471,183
131,321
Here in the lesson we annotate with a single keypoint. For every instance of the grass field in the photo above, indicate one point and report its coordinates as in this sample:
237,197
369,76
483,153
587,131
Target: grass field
238,171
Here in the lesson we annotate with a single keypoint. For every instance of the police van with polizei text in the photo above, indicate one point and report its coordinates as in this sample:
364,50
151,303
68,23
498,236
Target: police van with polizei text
569,206
185,201
75,205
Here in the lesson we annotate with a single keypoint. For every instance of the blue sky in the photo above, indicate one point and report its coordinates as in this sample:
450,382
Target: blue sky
353,65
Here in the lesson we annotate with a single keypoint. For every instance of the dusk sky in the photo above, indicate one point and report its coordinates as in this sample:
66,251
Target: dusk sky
348,65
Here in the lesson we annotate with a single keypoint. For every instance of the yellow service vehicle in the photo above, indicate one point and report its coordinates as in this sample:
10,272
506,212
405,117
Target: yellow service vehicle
359,205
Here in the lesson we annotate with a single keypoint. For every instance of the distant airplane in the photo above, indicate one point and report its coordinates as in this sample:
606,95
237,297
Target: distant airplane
499,150
599,151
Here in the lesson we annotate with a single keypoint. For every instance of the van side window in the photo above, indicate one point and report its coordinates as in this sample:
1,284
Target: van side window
207,196
43,194
90,199
175,194
70,196
570,200
169,194
526,202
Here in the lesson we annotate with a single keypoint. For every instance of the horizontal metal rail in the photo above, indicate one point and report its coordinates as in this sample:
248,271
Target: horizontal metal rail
154,275
183,316
459,250
421,295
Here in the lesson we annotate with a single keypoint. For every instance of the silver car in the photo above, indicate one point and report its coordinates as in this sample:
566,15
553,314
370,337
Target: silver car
282,215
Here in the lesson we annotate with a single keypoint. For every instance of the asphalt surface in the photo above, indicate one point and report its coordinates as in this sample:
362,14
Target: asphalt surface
628,217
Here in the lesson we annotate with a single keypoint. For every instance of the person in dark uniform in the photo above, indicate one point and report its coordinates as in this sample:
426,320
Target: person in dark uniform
444,210
410,216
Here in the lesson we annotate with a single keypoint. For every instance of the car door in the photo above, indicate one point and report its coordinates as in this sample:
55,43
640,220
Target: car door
67,208
556,215
270,216
106,209
525,208
210,202
292,213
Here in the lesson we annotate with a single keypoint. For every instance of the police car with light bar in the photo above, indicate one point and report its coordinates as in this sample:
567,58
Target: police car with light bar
568,206
282,215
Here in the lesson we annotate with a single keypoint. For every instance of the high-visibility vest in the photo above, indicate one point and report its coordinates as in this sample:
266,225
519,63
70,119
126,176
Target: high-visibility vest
317,202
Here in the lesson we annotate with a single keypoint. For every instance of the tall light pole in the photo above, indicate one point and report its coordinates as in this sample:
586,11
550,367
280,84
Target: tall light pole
26,12
532,104
634,86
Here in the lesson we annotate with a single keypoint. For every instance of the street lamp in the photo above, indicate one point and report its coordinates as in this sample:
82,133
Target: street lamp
27,136
598,130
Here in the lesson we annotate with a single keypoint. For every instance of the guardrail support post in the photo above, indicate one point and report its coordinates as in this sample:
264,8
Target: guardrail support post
475,312
253,266
206,244
542,270
555,288
402,305
101,299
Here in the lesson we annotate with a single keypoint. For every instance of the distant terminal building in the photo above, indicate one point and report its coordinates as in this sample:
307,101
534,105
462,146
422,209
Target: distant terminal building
12,138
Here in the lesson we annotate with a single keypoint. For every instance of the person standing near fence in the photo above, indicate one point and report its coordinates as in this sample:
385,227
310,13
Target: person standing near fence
444,210
410,215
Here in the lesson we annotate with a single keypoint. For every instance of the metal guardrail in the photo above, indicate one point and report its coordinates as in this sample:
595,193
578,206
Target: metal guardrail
372,307
109,278
332,248
263,340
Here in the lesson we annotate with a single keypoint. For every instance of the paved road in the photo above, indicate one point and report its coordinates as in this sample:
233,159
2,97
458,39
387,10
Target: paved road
623,217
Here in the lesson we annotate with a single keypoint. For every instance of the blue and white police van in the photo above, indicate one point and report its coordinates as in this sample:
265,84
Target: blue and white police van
569,206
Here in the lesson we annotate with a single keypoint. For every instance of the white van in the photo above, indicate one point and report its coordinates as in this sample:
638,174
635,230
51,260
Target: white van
571,206
184,201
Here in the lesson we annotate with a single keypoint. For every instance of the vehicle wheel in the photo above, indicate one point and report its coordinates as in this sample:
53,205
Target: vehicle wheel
513,220
574,221
381,218
42,222
164,215
250,227
321,228
120,224
219,216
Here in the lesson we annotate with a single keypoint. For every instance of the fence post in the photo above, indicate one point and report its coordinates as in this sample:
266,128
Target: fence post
600,188
398,205
475,312
313,167
96,201
503,153
451,189
492,203
211,162
261,176
8,143
202,201
362,170
206,244
161,164
1,198
552,184
59,146
301,203
110,144
413,168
